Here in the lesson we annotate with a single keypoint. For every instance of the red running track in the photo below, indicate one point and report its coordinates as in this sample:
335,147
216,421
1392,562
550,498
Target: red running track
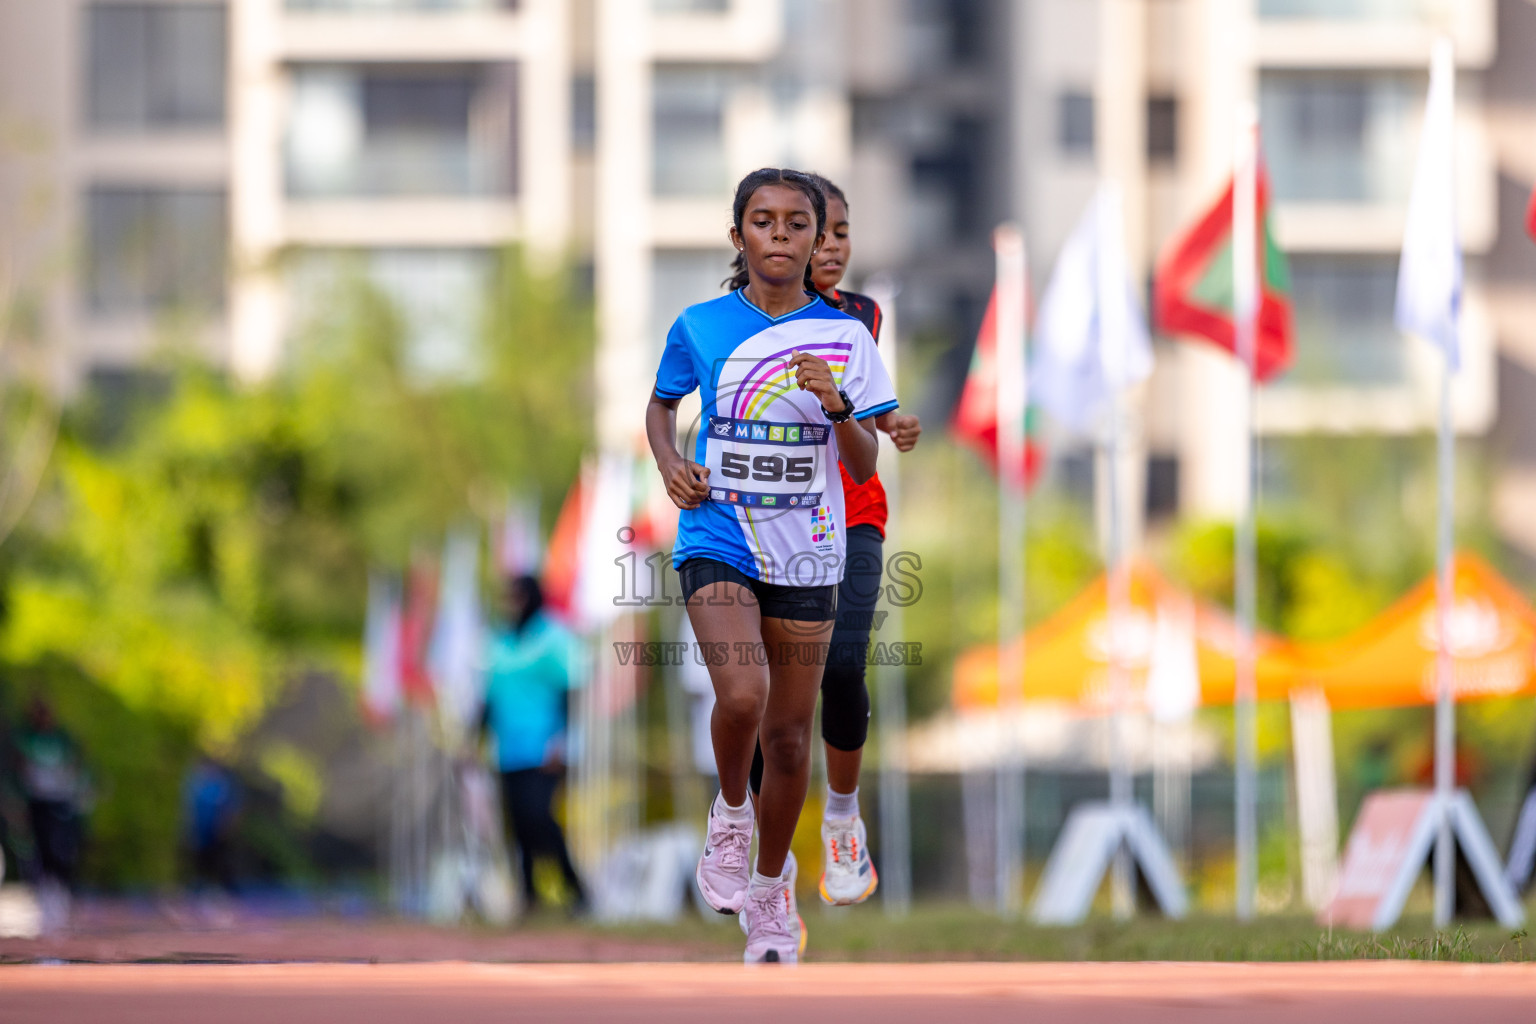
974,993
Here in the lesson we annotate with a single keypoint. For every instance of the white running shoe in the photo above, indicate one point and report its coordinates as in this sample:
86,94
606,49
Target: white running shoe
794,904
724,868
775,933
847,874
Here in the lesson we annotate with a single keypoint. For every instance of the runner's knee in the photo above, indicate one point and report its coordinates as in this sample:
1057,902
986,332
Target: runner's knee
844,708
786,747
740,704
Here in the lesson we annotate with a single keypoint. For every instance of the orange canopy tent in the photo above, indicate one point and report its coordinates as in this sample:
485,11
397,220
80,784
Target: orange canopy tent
1068,657
1390,662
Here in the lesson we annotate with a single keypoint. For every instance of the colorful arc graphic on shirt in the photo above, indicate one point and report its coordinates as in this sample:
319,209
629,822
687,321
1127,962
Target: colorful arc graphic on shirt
771,379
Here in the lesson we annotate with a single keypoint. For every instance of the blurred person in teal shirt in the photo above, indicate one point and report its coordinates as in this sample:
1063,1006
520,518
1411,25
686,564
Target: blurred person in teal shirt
532,665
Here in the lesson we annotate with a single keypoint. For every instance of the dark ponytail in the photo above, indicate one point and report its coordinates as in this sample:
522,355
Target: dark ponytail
798,180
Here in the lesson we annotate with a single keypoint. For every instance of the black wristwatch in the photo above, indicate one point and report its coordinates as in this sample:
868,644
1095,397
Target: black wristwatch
846,414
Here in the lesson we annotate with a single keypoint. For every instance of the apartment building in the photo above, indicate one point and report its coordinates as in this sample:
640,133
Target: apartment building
199,168
114,177
690,95
1339,87
195,169
417,136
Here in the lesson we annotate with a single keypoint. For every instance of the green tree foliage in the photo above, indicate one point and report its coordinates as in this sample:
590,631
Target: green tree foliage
192,562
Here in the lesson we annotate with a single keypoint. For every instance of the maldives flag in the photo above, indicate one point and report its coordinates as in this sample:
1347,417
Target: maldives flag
975,418
1530,215
1193,288
416,631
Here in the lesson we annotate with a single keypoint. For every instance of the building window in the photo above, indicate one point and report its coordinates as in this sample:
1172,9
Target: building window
1074,123
946,181
690,6
438,297
584,112
1162,487
1344,330
396,6
689,140
1362,10
942,35
155,66
151,249
391,129
1162,129
1339,136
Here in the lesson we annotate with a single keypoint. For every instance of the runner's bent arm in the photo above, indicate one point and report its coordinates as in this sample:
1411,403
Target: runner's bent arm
857,447
686,481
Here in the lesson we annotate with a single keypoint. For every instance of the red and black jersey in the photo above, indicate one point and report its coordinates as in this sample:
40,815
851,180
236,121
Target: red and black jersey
866,309
863,503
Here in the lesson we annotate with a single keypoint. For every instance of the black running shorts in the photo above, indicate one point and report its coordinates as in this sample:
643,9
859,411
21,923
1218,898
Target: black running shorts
775,600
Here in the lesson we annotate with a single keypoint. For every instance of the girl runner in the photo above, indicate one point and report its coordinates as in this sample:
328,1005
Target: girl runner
848,875
788,385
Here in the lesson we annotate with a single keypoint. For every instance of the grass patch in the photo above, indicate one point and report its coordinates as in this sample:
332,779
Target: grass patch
950,932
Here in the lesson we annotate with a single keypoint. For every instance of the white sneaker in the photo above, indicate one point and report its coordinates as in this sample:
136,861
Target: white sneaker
724,869
794,904
847,874
775,934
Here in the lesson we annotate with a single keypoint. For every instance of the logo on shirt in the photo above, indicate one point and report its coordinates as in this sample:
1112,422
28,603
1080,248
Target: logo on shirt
733,497
769,499
794,499
775,433
749,499
723,428
717,495
743,430
792,435
759,432
822,526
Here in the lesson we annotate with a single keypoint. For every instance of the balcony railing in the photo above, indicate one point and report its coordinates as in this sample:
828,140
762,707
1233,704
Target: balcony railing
398,6
1353,10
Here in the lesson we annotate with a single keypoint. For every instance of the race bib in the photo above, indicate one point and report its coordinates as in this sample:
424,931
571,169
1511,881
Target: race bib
766,464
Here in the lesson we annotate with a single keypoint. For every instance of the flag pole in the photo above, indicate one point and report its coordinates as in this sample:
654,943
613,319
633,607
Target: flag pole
891,680
1443,67
1445,708
1116,581
1245,240
1012,399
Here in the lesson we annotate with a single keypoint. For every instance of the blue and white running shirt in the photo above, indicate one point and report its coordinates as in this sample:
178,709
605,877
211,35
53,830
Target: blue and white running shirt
775,506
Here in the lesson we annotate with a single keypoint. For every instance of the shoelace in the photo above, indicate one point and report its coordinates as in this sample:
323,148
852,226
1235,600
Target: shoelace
733,843
848,841
769,912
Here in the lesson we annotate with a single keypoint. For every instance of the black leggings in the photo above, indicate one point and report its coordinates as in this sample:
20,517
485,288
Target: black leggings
844,695
527,796
57,834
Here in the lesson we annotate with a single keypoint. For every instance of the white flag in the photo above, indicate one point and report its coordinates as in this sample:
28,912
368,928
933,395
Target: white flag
606,586
454,656
1090,336
1429,277
382,691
